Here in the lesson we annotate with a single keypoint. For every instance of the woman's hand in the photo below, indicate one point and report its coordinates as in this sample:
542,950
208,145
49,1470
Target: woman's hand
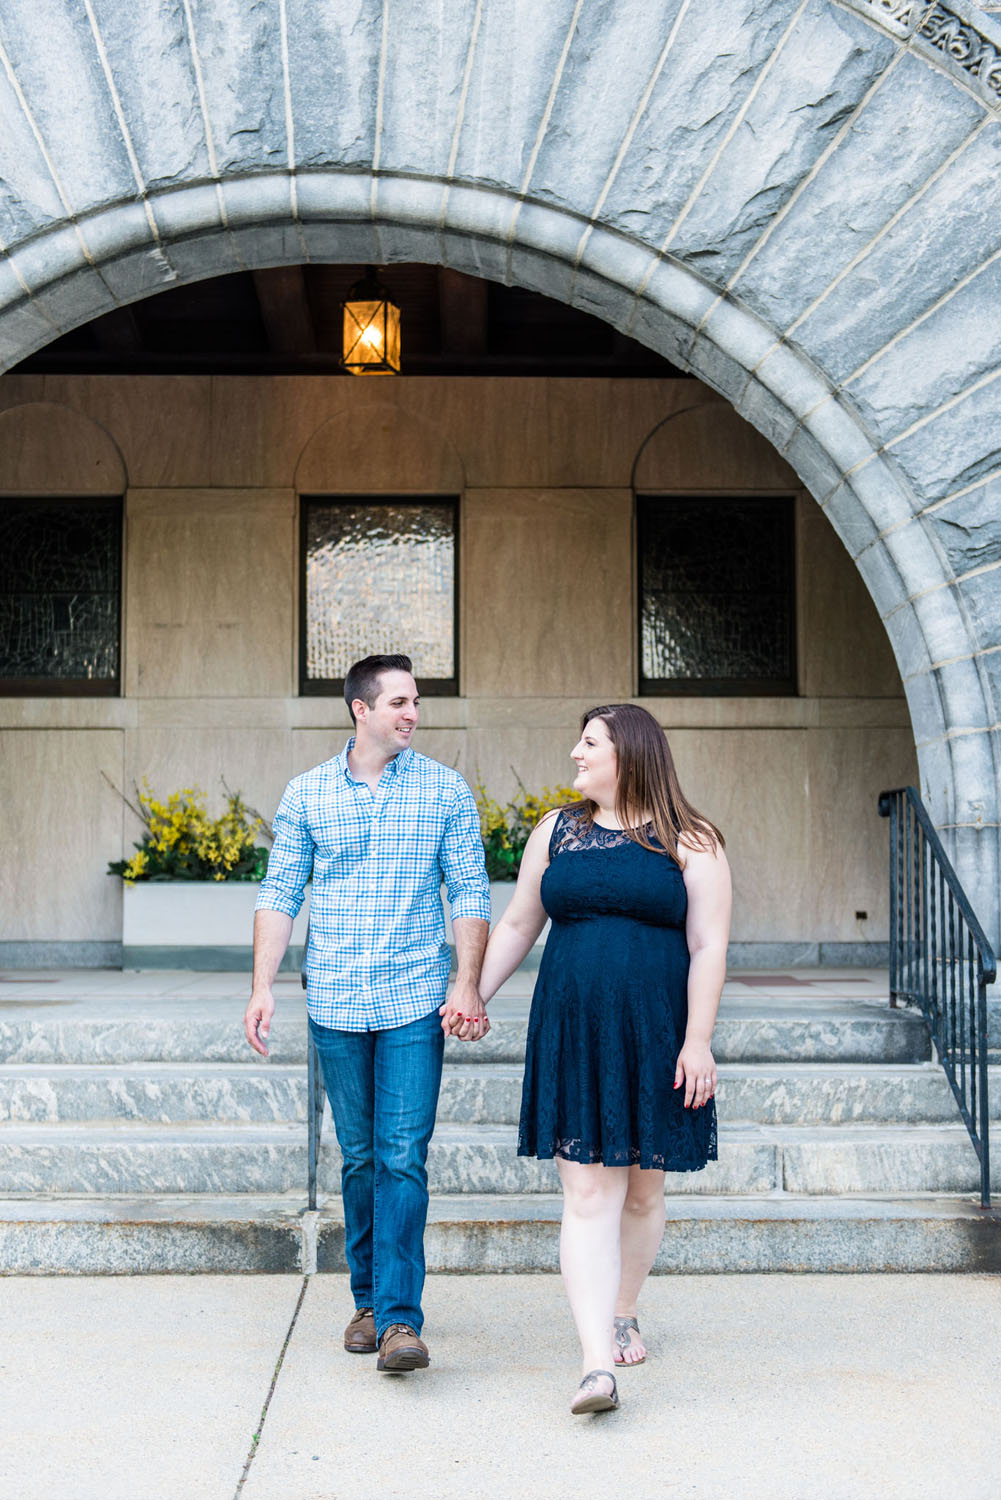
697,1071
464,1014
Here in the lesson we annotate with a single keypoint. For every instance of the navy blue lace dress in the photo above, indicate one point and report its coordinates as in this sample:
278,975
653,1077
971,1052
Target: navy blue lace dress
610,1009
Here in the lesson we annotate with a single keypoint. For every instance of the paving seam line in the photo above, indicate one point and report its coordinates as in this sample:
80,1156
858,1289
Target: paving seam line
256,1438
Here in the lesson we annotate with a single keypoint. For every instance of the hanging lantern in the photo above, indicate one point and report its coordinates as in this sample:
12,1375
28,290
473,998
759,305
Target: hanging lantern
371,329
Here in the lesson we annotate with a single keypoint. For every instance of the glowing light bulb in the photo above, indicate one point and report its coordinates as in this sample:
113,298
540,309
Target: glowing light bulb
372,337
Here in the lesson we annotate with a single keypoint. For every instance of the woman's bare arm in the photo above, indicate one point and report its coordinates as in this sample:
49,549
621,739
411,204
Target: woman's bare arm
517,930
707,930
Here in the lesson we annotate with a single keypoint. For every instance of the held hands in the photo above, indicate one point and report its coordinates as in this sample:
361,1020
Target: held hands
257,1021
464,1014
697,1071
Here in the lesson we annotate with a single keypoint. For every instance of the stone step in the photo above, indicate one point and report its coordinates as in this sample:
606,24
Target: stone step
134,1158
870,1034
767,1094
800,1094
518,1233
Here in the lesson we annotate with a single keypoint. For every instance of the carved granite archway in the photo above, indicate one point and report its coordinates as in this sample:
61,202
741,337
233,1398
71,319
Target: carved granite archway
797,201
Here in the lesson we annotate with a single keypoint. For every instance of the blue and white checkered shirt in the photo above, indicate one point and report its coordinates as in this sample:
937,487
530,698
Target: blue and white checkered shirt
377,951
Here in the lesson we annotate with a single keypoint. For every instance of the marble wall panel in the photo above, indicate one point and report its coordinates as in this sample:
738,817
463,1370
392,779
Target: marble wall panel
49,449
593,436
259,427
848,841
161,423
798,811
311,747
252,760
505,432
15,390
754,785
210,593
378,448
249,432
709,447
536,755
546,593
62,824
844,650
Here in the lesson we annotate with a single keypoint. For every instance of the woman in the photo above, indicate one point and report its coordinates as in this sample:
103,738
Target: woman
619,1075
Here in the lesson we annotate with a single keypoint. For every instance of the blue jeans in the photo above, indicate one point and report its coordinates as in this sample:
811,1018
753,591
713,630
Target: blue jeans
383,1091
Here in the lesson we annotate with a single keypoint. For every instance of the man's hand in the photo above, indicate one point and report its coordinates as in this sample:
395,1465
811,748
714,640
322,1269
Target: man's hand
464,1014
257,1020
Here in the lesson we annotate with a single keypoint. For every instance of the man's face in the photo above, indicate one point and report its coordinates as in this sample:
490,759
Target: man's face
392,719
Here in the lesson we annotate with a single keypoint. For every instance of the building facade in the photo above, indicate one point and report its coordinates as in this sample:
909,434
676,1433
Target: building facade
797,203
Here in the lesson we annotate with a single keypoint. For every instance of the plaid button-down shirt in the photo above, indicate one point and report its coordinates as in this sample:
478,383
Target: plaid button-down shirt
377,951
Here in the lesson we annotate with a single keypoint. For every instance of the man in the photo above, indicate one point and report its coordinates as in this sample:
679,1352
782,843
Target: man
380,827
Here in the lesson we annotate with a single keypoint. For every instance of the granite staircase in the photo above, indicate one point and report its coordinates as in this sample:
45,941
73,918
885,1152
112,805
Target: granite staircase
139,1133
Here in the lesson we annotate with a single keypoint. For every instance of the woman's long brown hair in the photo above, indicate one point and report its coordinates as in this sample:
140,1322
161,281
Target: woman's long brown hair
647,781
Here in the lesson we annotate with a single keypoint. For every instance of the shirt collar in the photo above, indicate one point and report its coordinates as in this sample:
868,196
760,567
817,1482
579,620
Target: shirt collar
398,764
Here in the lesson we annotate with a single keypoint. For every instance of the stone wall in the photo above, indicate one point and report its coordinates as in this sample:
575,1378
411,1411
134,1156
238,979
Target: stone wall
547,470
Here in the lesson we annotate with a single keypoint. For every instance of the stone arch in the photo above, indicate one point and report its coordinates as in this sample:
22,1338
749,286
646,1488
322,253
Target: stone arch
49,449
797,203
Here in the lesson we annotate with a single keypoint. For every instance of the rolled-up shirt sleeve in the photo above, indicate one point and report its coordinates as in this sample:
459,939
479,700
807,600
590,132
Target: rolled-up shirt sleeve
461,858
290,862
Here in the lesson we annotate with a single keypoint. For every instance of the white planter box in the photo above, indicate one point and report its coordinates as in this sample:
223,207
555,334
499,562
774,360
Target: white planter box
210,923
196,914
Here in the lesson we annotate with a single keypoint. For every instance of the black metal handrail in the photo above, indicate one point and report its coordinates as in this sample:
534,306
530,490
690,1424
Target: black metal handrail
315,1097
940,960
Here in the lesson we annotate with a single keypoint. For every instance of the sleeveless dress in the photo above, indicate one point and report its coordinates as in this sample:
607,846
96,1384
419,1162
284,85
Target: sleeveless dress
610,1009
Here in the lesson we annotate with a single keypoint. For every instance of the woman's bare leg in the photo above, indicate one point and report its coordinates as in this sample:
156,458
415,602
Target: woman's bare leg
590,1258
641,1233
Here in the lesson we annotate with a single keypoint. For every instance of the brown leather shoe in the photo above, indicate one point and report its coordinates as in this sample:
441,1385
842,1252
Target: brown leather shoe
400,1349
359,1336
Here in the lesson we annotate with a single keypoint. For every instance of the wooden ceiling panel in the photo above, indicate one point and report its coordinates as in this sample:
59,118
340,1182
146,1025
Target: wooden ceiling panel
287,320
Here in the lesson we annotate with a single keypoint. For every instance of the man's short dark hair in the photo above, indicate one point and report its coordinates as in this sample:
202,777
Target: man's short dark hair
362,680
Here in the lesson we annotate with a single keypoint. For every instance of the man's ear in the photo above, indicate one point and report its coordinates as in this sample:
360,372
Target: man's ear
359,708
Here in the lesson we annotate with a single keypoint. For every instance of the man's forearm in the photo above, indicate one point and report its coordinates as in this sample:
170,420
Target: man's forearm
470,942
272,930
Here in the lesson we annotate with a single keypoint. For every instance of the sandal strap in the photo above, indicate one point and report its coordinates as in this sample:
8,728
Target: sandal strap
591,1378
623,1326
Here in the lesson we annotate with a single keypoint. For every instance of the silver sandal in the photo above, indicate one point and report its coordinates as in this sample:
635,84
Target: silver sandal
597,1400
622,1340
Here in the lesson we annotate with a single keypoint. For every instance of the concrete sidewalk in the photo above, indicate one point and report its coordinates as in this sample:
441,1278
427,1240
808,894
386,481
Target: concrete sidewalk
151,1388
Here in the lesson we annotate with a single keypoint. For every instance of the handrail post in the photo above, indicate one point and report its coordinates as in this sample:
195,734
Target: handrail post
894,898
985,1123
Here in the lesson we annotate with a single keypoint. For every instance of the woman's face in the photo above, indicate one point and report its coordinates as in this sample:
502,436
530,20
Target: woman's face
597,764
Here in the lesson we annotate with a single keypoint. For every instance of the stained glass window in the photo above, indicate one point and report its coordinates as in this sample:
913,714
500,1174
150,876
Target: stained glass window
60,595
717,596
378,576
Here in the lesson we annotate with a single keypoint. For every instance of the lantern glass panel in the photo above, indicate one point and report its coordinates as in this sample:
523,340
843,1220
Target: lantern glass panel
371,338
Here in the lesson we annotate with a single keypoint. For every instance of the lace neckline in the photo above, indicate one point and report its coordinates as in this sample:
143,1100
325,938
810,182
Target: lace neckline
574,831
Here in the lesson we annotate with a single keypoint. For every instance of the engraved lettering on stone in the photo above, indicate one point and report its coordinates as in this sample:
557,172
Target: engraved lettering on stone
900,10
969,49
899,16
957,39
